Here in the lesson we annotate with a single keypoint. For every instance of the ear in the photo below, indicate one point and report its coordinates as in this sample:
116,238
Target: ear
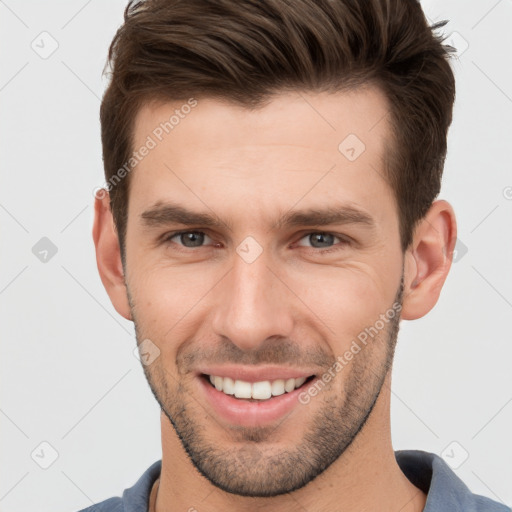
108,254
428,260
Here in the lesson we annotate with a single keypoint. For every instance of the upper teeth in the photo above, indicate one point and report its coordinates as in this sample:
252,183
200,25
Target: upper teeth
257,390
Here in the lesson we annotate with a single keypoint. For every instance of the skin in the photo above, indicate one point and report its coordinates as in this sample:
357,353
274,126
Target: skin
205,303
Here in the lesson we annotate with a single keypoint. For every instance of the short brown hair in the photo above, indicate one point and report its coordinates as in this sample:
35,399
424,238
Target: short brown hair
246,50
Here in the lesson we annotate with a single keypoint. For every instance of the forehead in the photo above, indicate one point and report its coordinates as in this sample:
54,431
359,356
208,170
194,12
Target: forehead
285,118
298,147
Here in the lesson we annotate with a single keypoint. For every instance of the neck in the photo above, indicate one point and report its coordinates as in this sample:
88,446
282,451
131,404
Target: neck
365,477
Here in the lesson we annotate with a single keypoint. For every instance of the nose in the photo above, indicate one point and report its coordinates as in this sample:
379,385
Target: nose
253,304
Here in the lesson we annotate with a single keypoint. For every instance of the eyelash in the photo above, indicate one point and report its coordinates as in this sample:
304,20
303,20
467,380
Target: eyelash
167,239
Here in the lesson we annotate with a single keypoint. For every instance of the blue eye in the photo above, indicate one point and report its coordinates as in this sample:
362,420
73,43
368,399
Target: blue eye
327,241
194,238
321,238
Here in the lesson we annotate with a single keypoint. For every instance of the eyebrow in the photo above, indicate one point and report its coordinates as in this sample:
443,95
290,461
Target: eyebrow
162,214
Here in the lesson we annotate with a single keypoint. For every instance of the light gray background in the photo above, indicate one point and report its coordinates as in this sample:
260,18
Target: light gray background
69,375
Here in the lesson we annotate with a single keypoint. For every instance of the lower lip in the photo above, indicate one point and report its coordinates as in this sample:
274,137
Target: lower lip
249,414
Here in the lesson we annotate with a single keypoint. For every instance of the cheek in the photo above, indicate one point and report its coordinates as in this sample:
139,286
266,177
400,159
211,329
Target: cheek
338,302
167,299
345,301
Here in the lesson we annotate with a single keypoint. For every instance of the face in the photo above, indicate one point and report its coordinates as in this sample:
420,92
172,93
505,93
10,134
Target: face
262,248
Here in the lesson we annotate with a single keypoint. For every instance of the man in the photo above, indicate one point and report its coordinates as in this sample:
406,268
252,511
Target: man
269,217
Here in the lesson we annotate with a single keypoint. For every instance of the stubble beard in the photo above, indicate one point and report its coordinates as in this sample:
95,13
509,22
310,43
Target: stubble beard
251,465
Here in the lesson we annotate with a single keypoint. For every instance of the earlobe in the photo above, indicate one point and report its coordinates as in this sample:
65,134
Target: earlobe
428,260
108,256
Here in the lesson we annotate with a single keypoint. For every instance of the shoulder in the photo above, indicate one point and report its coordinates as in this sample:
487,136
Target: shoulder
109,505
135,498
483,504
445,490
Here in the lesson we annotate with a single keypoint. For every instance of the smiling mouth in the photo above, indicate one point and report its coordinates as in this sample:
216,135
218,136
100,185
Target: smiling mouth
255,391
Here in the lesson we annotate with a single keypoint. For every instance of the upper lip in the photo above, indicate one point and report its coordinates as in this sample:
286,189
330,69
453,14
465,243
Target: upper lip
256,373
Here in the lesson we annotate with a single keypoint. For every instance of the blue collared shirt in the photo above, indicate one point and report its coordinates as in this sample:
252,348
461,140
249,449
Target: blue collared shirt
445,491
